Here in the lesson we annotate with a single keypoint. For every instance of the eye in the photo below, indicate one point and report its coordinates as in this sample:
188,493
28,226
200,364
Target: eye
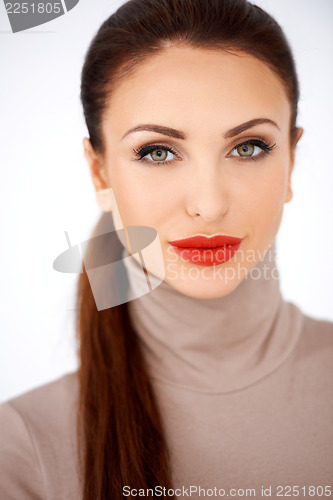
247,150
155,154
160,154
251,149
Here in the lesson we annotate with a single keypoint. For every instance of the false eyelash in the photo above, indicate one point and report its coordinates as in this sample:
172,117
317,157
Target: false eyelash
145,150
255,142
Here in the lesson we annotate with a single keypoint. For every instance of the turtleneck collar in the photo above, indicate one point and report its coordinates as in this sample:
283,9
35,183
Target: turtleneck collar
214,345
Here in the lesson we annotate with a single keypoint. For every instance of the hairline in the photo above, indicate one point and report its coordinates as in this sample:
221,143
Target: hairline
131,65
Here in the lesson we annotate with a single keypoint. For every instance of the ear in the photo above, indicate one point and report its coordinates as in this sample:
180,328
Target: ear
298,134
99,177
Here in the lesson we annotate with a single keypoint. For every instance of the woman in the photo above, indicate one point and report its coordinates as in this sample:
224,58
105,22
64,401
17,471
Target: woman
210,380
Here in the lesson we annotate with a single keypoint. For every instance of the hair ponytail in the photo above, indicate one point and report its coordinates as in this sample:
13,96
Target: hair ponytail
122,430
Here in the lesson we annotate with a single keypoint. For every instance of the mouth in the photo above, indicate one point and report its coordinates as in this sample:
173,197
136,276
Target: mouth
207,251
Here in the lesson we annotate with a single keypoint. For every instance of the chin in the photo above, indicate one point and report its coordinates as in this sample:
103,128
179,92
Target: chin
202,284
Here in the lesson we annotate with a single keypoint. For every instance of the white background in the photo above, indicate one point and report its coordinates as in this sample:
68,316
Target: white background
46,187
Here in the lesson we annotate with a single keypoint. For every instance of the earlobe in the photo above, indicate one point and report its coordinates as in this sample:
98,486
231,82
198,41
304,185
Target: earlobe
296,137
289,195
104,195
104,199
95,165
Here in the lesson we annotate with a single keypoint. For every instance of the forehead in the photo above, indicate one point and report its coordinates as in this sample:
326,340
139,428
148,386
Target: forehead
187,87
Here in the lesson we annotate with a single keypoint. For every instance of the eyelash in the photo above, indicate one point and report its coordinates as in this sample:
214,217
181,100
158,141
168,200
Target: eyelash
266,149
145,150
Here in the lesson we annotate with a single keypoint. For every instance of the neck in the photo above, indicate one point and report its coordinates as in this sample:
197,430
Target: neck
214,345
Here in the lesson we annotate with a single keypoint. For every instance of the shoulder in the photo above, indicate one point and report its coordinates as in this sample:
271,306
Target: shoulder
317,337
49,404
313,355
38,441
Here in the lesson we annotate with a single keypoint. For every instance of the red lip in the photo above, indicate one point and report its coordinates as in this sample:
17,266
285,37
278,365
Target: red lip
205,251
206,242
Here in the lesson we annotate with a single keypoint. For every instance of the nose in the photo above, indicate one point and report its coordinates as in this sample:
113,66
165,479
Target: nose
207,193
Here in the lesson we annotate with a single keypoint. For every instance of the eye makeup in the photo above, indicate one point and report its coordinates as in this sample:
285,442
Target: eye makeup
247,145
144,151
251,145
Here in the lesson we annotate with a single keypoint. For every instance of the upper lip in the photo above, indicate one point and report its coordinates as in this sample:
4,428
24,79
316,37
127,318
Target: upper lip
206,242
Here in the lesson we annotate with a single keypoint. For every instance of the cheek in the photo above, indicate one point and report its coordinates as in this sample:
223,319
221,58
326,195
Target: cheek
263,195
140,196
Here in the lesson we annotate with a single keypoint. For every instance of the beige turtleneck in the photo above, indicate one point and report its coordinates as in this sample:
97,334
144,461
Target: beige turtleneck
245,387
244,383
215,345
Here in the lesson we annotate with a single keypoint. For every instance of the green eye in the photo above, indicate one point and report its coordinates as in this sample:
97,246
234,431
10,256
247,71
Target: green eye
155,153
252,149
245,150
159,154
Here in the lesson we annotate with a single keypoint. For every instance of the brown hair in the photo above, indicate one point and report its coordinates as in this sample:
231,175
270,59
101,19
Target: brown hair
119,423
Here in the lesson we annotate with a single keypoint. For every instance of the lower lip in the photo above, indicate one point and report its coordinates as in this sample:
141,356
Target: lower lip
207,256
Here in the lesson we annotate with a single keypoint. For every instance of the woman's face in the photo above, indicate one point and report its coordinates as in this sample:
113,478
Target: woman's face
223,169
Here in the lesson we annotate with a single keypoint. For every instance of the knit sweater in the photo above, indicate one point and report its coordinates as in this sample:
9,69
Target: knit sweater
245,387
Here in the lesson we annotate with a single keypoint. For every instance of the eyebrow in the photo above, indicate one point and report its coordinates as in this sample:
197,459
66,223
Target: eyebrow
245,126
171,132
177,134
